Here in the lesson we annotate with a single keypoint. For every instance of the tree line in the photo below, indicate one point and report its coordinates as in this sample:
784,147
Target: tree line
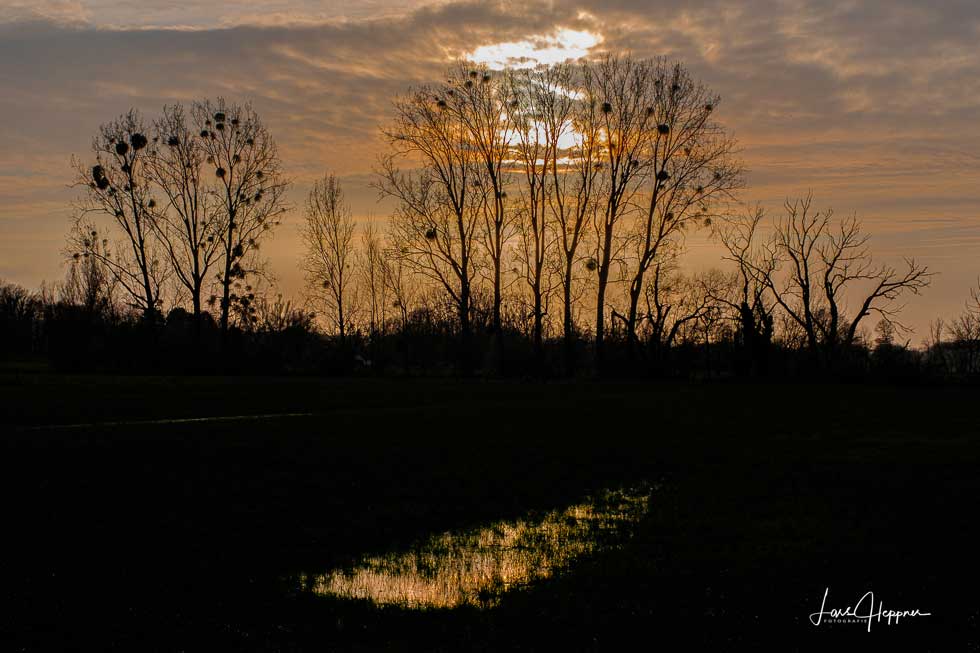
540,215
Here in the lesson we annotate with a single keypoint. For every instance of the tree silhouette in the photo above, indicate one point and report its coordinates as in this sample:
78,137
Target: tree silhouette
188,221
373,264
577,198
481,105
824,258
249,191
89,282
328,235
116,185
441,203
686,165
542,109
751,300
674,303
622,89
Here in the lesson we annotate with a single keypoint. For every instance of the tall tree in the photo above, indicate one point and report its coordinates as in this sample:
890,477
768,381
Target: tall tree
187,221
481,105
436,222
116,186
329,263
622,89
687,165
249,191
578,189
542,109
372,268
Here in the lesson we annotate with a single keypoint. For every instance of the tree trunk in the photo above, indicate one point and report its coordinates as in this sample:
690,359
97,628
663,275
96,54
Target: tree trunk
196,298
196,301
568,328
538,327
340,318
635,290
600,310
226,296
464,328
496,294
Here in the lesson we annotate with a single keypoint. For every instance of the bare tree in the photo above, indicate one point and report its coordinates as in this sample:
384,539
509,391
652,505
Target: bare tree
481,105
372,269
751,303
329,263
825,259
439,209
250,187
675,302
116,186
21,313
961,354
188,221
687,166
578,189
398,281
622,89
542,107
89,282
277,315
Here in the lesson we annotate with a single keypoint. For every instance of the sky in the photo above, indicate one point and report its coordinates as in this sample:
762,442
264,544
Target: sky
873,106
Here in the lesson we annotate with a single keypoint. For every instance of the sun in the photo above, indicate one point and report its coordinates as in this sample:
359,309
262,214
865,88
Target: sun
556,47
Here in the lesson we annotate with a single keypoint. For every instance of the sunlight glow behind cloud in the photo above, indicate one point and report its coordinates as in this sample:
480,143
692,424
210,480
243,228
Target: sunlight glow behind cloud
557,47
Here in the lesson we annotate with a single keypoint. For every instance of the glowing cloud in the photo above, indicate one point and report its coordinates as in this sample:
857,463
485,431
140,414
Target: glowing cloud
560,46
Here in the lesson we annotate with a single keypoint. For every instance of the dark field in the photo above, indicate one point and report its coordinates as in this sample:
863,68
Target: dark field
181,536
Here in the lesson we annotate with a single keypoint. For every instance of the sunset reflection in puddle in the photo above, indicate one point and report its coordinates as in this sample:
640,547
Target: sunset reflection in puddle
476,567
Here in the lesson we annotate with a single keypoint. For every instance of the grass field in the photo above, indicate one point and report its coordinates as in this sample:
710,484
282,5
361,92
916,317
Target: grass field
182,536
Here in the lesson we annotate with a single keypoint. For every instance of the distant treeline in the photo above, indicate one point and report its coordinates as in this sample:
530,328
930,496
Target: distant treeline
539,228
58,331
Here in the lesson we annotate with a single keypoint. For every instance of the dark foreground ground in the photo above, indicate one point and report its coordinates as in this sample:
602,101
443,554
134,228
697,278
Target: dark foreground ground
176,536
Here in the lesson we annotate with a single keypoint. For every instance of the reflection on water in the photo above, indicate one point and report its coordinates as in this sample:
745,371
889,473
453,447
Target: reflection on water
476,567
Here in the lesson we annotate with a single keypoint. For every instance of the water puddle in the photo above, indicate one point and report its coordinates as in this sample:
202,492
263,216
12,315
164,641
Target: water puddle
477,567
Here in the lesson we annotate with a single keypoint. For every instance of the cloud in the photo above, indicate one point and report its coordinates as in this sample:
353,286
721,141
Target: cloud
60,12
124,14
